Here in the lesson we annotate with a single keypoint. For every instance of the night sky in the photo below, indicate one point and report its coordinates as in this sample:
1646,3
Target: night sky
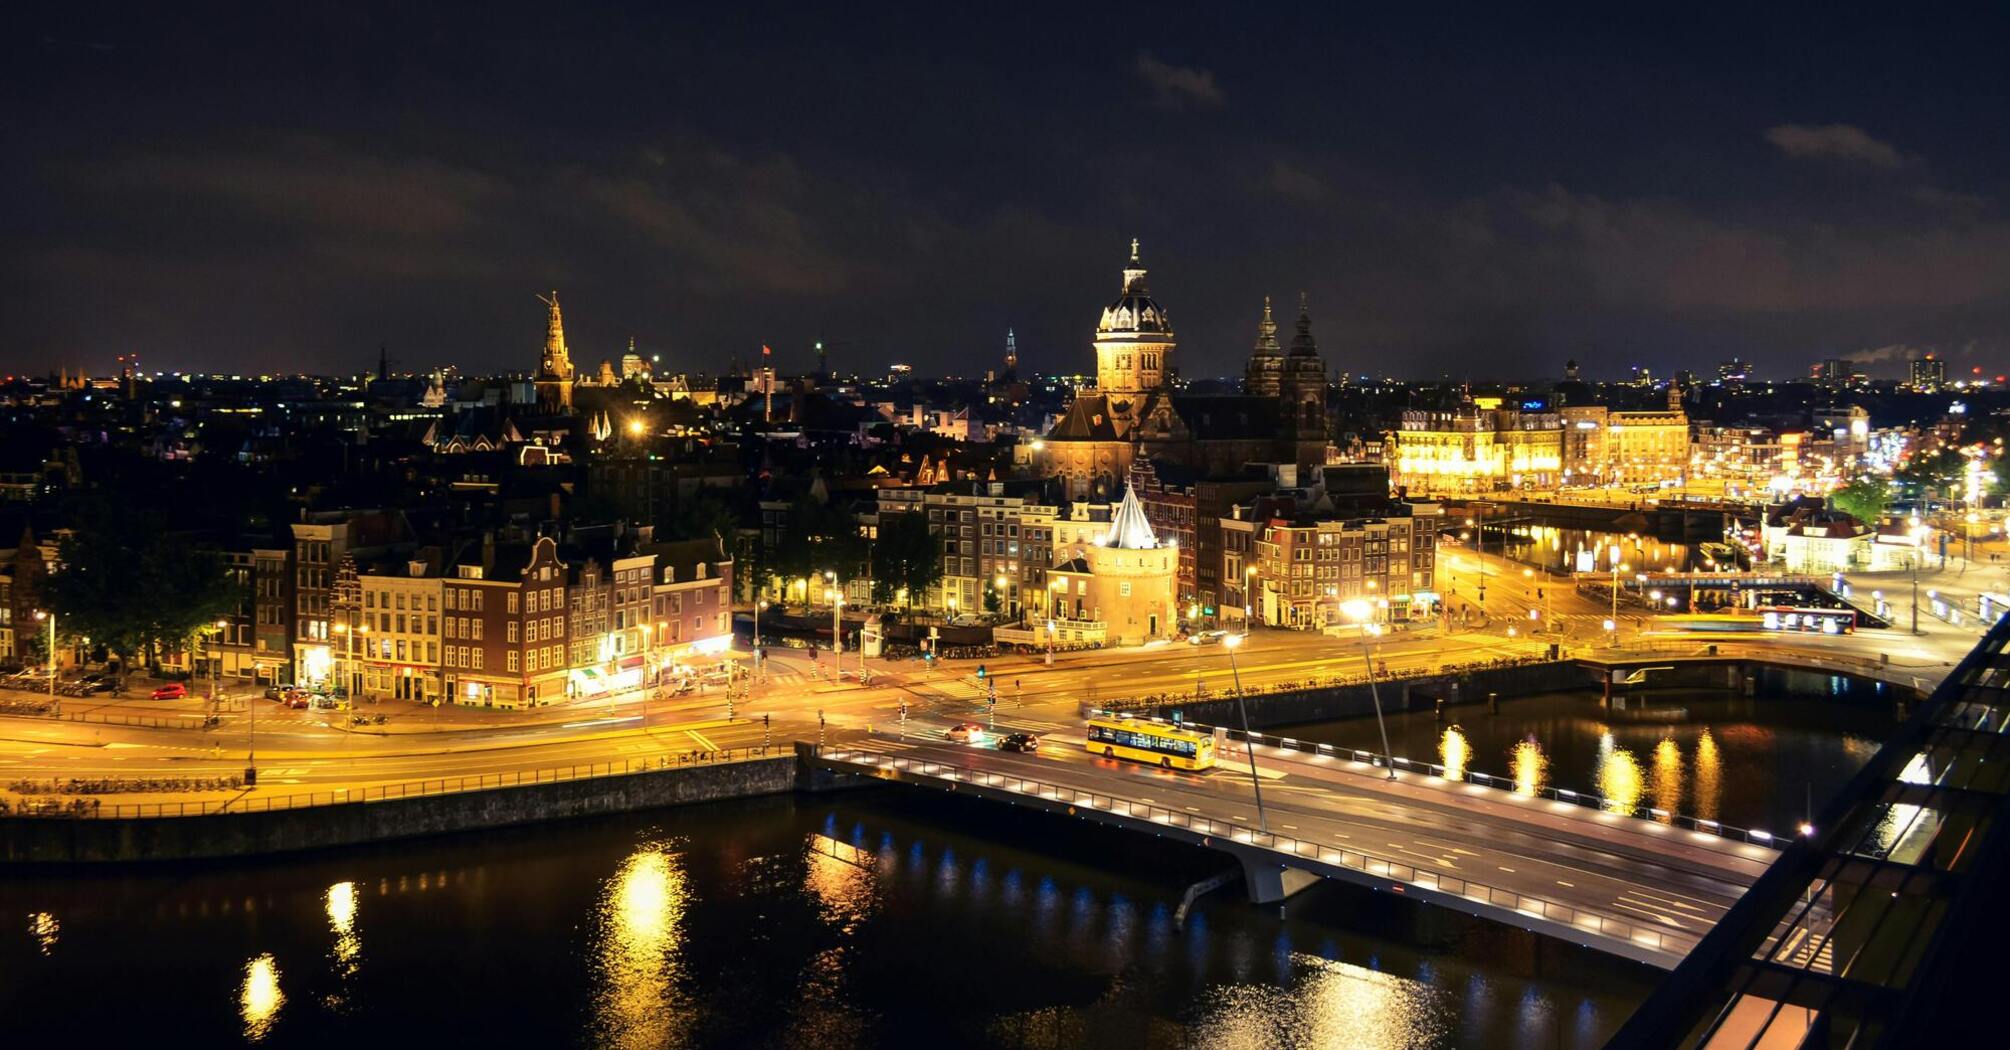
1476,194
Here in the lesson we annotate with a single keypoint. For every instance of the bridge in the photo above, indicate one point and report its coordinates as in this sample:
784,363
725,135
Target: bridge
1642,889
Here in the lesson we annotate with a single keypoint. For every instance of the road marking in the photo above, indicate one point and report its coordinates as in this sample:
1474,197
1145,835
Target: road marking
1572,885
1505,868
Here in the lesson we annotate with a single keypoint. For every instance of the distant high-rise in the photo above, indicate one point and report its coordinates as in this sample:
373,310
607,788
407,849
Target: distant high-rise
554,371
1011,353
1929,373
1733,372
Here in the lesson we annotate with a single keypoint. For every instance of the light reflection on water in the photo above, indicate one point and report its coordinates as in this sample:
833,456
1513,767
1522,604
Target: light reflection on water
727,932
1709,777
639,1000
1667,779
1330,1003
44,928
259,997
1619,779
1531,767
1454,753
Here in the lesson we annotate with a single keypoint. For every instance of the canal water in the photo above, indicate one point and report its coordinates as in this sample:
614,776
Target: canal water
1752,762
1584,550
877,918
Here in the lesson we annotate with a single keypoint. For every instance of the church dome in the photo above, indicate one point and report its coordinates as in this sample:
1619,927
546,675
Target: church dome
1135,312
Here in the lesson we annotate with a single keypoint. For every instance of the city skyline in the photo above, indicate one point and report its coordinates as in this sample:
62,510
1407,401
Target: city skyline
1446,191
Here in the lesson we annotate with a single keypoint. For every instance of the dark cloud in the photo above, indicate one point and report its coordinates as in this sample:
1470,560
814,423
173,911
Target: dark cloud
1179,87
1474,196
1844,142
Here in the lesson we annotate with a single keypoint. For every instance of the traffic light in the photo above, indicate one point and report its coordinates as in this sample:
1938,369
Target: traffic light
980,670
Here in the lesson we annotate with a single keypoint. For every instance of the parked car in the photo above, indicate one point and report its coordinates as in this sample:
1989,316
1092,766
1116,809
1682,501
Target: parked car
171,691
963,732
1025,743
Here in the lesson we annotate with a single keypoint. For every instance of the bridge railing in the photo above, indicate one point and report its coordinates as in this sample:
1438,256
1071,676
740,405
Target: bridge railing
1554,794
1642,934
85,808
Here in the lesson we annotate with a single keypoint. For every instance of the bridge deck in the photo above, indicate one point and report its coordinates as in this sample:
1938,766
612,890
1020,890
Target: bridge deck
1629,887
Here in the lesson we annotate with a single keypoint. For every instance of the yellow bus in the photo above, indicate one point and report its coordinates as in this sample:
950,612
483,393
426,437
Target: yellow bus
1170,747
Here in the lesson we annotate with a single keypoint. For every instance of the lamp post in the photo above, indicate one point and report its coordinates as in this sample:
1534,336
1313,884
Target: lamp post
1361,612
55,705
1248,745
1918,534
216,666
1050,643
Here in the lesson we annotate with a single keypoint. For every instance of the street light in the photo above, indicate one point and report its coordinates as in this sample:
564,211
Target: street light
1248,745
1361,612
1050,643
55,705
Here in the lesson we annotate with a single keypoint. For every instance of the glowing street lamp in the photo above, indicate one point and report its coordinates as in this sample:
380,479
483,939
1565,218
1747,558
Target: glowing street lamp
1363,613
1231,643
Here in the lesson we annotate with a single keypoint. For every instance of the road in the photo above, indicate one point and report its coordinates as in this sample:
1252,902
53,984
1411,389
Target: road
1681,882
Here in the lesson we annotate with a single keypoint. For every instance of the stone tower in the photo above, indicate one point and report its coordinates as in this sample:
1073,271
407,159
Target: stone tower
554,370
1134,345
1265,374
1303,386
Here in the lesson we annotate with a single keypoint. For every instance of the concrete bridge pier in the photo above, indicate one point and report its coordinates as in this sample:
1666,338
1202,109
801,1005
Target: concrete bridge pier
1269,882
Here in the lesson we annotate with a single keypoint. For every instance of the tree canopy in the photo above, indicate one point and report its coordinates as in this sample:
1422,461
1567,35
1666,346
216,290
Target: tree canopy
1864,499
906,556
130,584
817,538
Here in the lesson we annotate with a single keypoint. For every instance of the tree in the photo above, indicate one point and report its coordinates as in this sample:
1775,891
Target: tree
1943,471
905,557
701,518
132,586
817,538
1864,499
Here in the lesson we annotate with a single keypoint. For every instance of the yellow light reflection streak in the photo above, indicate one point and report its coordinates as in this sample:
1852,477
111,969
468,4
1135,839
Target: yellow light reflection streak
259,1000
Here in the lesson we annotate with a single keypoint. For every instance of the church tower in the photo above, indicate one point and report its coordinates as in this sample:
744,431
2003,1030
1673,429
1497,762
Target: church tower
1265,374
1134,345
554,370
1304,383
1011,353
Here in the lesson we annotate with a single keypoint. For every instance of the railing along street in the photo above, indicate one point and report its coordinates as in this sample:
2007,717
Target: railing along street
92,809
1296,848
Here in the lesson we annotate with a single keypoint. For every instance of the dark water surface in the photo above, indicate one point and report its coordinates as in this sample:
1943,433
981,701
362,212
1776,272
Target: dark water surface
1752,762
878,918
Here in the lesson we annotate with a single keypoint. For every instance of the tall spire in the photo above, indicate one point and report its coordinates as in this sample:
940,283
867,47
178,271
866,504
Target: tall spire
1134,273
1011,350
1266,333
557,360
1301,340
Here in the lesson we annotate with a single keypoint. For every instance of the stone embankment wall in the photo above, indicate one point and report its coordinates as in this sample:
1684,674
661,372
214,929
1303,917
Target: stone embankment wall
1349,701
71,840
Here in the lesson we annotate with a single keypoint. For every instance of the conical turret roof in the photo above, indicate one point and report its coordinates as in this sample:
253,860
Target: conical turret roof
1129,528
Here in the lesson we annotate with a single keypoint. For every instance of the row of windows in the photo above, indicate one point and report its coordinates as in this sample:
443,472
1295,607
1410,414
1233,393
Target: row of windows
380,600
470,657
1143,741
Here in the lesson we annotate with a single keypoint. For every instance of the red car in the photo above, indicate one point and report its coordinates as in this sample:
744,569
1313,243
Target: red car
171,691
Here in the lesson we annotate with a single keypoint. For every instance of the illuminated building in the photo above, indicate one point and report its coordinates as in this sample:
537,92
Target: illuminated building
1295,570
1480,447
554,369
1927,374
1622,447
1135,413
1119,587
